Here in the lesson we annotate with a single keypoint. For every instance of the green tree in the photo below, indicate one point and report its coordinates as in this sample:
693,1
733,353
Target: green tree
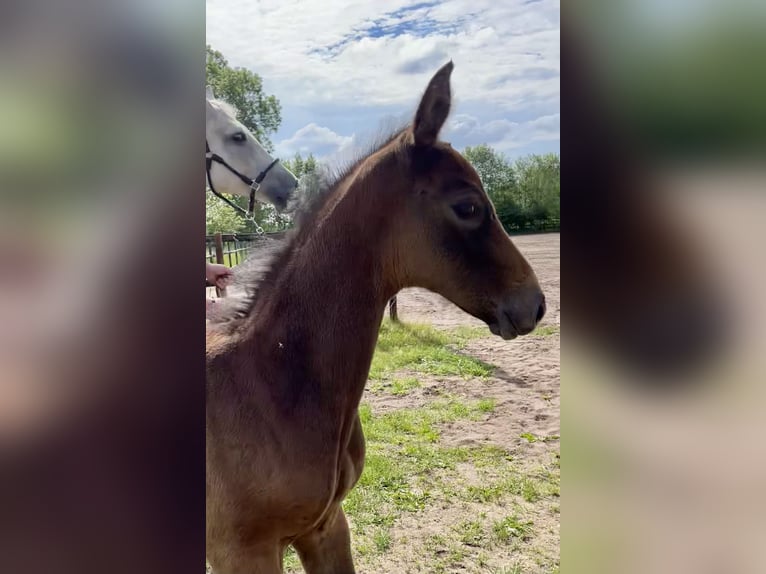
539,185
495,171
259,112
308,173
220,218
499,180
525,193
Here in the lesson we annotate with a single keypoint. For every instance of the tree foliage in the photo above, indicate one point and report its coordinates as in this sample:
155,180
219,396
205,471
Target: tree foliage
220,218
525,193
308,172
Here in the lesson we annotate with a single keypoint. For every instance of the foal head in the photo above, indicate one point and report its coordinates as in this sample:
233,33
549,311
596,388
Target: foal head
231,140
447,236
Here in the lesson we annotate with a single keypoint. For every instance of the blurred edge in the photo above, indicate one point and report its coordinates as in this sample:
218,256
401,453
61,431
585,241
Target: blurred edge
663,263
101,342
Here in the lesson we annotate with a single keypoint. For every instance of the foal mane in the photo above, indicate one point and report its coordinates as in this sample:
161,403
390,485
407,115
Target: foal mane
262,268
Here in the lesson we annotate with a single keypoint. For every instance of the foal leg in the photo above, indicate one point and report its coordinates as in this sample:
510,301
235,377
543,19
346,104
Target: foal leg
264,561
327,550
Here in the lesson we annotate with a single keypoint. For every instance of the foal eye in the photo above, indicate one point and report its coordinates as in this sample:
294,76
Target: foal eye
239,137
466,210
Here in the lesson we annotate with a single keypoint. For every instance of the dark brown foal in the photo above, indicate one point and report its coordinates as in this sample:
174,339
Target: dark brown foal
284,441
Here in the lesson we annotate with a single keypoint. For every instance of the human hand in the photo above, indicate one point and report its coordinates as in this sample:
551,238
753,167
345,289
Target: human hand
218,275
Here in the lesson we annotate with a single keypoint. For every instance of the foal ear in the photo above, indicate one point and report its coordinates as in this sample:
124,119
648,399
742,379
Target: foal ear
434,108
209,93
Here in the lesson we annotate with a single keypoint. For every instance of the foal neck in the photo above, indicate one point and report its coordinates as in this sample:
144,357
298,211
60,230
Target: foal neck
319,324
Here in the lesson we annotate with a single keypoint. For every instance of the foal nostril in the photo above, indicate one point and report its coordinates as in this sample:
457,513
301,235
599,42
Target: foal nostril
540,311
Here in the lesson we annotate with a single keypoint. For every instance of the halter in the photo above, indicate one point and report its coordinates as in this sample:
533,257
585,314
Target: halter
254,184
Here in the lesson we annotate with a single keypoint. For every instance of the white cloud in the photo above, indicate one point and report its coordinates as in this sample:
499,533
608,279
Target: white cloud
502,134
369,58
319,140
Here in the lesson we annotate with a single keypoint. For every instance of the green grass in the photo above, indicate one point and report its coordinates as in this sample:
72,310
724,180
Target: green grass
529,437
423,349
402,458
463,333
407,470
546,330
397,386
530,486
403,425
291,563
400,387
471,533
512,527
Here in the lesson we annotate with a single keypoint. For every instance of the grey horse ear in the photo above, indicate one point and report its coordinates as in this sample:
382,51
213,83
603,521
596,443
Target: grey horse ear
209,93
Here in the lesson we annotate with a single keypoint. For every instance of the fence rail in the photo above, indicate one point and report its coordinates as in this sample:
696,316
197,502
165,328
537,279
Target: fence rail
232,249
537,226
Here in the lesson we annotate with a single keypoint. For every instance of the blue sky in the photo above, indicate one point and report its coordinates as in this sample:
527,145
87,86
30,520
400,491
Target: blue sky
341,69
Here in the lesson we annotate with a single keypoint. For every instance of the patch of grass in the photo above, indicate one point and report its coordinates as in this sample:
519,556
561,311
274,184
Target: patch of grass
471,533
445,553
291,562
401,426
399,386
435,543
423,349
486,405
511,527
522,486
464,333
532,438
490,456
532,487
382,540
402,457
546,330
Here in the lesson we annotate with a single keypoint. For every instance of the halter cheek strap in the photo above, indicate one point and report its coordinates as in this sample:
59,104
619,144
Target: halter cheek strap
254,184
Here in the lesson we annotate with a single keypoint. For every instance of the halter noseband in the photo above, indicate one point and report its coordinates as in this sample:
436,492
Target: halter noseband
254,184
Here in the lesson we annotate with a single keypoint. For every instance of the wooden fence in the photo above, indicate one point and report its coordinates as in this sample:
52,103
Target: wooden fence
538,226
232,249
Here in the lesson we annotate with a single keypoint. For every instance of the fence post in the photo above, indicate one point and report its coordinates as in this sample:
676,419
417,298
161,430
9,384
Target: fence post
392,310
218,242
